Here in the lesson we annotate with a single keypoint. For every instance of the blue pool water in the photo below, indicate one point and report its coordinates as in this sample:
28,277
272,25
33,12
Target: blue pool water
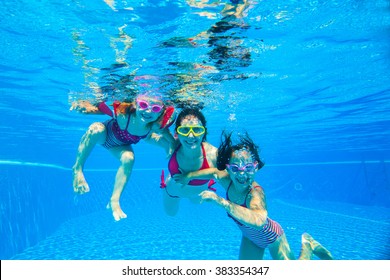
307,79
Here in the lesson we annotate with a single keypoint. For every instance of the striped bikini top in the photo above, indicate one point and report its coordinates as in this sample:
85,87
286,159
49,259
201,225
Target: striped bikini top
262,237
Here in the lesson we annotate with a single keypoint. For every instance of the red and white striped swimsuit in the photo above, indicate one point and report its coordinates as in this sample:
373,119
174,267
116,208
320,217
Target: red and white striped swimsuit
262,237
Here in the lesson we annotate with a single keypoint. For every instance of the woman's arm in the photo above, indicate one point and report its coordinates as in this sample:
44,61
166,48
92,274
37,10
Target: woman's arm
255,216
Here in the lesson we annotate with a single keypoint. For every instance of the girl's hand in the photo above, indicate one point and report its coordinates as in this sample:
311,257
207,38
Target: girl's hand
181,179
84,106
208,196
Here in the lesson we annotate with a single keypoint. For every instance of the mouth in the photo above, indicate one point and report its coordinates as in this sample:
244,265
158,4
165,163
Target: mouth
192,142
242,180
146,116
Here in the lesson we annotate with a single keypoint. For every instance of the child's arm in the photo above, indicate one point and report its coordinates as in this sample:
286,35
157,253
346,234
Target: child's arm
164,139
255,216
209,173
160,135
85,107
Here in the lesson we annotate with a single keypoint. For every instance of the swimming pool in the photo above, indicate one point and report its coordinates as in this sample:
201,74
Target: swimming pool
204,232
309,81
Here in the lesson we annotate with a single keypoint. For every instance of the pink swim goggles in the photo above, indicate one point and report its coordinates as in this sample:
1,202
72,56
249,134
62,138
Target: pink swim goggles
144,105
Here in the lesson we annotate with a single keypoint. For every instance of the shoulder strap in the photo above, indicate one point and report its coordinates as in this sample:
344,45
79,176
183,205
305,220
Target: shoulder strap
227,191
128,121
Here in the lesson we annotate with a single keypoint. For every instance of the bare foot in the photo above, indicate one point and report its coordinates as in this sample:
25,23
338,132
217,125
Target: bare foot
80,185
318,250
306,250
116,210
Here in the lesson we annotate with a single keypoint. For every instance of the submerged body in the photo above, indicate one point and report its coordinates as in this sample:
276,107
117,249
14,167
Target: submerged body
192,153
129,124
245,203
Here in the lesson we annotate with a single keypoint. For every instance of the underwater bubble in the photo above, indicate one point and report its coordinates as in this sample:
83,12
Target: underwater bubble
298,187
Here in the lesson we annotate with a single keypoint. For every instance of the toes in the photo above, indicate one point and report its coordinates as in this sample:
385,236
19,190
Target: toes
322,253
119,216
307,237
116,217
81,189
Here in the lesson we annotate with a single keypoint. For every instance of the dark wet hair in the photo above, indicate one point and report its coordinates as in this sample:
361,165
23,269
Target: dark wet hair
190,111
182,104
226,149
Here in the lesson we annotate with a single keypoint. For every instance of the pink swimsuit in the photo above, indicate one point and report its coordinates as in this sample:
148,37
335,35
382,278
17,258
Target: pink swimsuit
173,167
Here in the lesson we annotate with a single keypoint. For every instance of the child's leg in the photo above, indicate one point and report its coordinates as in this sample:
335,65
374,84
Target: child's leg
126,157
96,134
318,250
280,249
249,251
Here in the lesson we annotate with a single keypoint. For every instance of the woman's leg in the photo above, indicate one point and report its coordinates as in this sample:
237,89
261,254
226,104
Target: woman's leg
249,251
125,155
170,203
96,134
